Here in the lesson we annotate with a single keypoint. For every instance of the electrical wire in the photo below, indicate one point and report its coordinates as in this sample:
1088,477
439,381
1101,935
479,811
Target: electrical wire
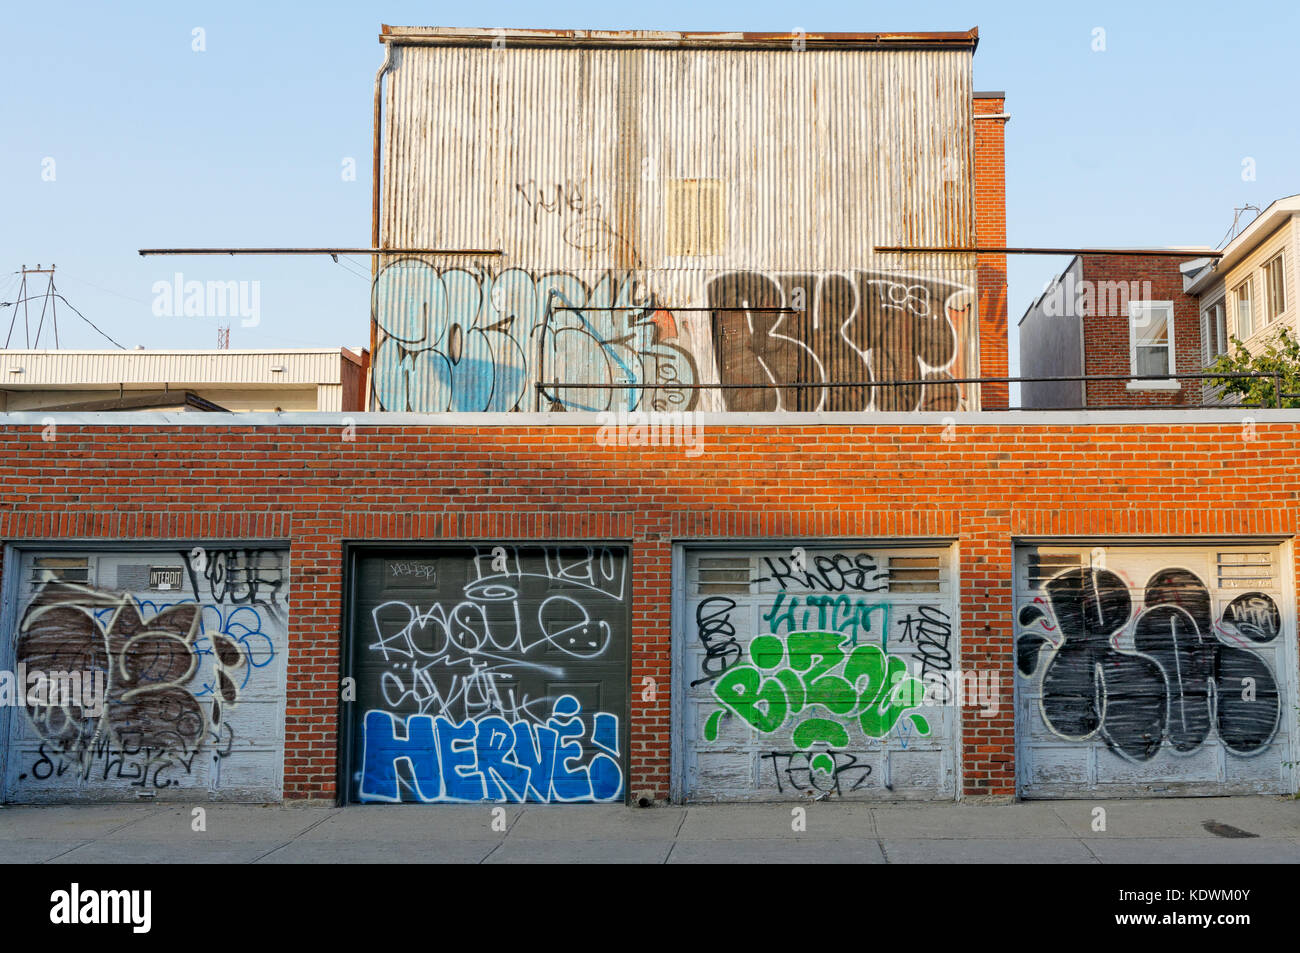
87,320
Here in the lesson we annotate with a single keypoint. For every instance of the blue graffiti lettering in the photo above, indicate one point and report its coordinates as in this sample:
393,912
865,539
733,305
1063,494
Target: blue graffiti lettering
491,759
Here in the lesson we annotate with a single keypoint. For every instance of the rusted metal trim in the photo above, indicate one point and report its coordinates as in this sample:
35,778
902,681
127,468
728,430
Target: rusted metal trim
980,250
637,39
495,252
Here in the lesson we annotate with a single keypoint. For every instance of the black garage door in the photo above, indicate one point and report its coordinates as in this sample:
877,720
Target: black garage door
489,673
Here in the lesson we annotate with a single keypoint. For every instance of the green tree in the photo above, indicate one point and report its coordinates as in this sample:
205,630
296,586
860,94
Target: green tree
1280,356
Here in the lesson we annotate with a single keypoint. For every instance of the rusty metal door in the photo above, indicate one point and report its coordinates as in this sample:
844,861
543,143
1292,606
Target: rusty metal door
814,671
489,673
1154,670
147,673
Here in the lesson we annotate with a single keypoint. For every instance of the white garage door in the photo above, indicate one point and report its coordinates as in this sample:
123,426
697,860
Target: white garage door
815,671
147,674
1153,670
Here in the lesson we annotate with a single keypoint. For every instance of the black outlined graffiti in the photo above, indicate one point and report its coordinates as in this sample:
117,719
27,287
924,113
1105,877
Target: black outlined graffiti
586,226
1255,616
848,774
929,630
1181,681
833,572
853,326
717,634
237,576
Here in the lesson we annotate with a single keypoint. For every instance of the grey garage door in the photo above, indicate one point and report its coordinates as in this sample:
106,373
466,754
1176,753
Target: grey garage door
813,671
148,673
1153,670
490,673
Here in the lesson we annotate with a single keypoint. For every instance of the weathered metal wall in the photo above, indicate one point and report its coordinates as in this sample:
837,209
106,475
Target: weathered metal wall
184,651
1051,345
1154,670
574,163
816,672
495,673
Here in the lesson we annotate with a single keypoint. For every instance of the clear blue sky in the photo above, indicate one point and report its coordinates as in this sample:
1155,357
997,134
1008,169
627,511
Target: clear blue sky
157,145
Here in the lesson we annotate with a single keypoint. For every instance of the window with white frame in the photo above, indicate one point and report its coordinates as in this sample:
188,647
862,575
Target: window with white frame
1151,343
1214,332
1245,314
1274,288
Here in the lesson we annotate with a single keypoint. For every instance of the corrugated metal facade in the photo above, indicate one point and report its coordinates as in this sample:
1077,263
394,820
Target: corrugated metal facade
563,158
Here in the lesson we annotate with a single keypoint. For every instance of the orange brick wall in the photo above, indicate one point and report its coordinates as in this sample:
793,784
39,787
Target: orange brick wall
991,231
307,485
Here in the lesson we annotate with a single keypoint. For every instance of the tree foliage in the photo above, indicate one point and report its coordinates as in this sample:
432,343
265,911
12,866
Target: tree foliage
1280,355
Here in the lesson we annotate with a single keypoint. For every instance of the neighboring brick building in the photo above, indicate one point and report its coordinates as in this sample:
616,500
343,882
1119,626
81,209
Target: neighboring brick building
1108,316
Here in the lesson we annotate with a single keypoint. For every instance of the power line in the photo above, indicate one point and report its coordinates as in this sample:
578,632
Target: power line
88,321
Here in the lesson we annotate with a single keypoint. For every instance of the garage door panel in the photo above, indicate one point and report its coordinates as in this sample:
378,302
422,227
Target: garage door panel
494,673
187,650
1170,665
1168,766
802,666
1049,764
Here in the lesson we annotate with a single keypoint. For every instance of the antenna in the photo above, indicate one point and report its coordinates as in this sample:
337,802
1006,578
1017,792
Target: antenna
223,337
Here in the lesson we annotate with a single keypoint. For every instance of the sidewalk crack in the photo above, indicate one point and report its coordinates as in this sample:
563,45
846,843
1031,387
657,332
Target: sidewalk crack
676,834
310,827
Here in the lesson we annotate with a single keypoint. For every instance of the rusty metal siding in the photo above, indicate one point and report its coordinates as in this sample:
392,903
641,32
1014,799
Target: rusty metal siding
563,159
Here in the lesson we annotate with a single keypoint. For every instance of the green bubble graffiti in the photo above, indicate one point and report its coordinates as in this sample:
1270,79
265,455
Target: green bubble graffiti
807,670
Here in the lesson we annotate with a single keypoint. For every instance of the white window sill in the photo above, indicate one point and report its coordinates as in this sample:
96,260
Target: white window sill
1154,385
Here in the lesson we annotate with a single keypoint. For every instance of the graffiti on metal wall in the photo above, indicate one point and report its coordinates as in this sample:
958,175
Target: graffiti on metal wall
788,679
174,672
459,340
852,326
252,577
1184,678
461,693
839,666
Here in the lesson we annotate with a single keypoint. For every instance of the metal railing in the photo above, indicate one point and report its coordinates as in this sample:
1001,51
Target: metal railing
551,391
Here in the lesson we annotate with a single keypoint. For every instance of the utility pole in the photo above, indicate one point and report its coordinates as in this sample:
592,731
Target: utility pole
48,304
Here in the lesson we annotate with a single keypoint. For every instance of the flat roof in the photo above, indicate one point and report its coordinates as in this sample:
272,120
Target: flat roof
657,39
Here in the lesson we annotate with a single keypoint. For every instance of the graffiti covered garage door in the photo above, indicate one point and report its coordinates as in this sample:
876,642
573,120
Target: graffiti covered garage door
490,673
148,674
815,671
1153,670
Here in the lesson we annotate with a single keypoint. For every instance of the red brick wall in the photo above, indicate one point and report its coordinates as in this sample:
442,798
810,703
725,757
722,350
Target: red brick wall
1106,331
991,231
983,487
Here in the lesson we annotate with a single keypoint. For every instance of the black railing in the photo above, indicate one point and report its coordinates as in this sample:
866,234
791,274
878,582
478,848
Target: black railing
550,391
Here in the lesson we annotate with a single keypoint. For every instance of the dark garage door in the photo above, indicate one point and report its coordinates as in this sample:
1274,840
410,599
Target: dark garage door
489,673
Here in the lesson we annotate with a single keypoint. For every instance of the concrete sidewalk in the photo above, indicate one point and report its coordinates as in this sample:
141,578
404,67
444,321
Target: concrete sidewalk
1173,830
